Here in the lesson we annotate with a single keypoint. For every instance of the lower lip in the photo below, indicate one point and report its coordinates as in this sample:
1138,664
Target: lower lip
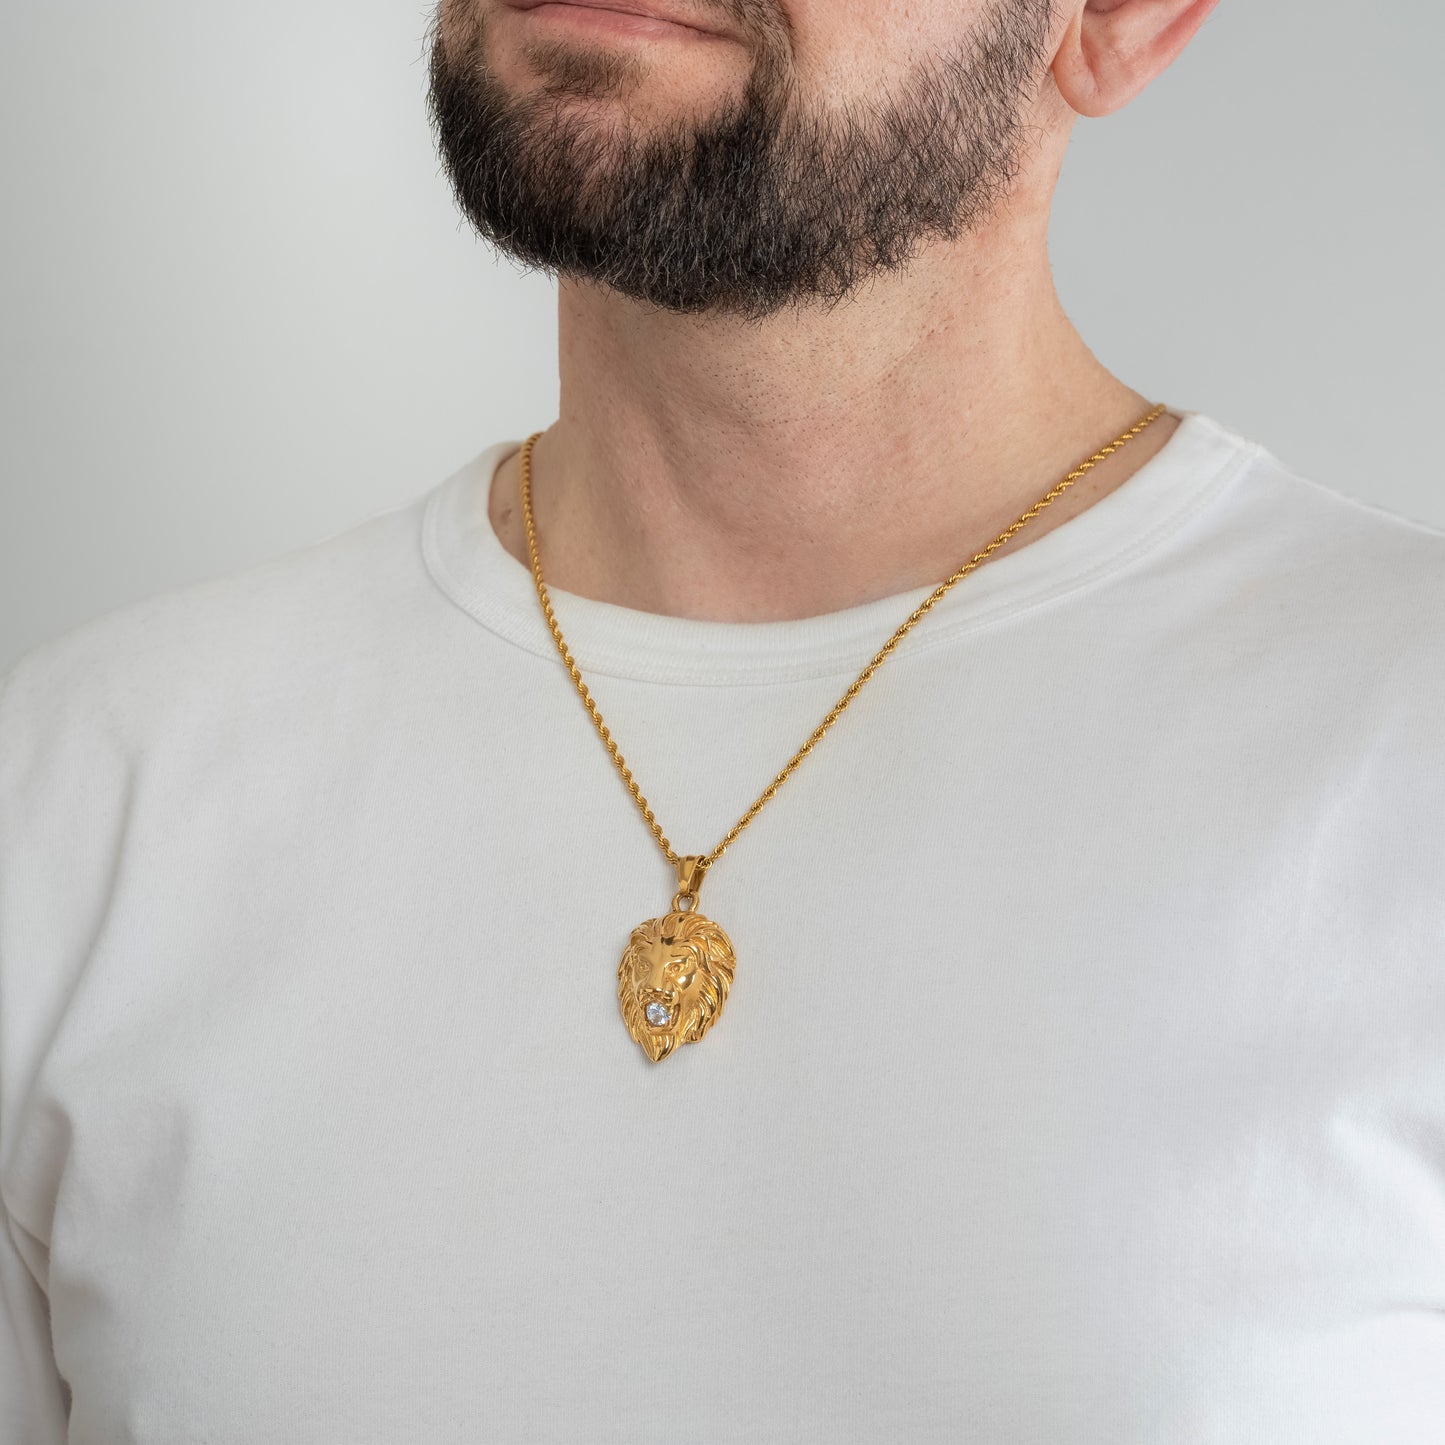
615,22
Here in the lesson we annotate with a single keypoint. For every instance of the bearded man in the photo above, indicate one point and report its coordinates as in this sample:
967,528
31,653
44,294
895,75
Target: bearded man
871,882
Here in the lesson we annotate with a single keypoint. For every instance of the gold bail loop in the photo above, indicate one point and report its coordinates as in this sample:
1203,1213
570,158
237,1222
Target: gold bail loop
690,869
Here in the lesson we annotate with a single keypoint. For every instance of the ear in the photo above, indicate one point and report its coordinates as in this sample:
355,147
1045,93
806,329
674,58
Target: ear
1114,48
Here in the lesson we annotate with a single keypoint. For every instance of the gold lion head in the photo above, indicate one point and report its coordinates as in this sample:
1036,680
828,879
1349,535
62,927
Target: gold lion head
673,980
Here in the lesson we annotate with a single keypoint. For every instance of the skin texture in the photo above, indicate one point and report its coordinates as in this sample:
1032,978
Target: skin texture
834,383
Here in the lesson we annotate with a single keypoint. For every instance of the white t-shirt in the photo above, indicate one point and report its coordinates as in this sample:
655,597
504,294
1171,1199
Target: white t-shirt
1082,1077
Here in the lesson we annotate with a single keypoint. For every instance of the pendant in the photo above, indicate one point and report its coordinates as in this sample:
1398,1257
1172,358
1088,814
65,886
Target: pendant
675,973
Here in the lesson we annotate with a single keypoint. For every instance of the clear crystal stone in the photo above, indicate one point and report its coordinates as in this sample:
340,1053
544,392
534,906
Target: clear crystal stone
657,1014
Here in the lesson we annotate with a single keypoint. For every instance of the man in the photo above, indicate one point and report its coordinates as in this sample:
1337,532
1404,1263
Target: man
1055,1051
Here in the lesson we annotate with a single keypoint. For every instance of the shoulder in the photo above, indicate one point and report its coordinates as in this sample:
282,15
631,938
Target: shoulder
1321,614
1325,525
1322,563
216,645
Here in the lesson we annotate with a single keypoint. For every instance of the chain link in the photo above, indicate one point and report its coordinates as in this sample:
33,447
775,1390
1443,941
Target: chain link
708,859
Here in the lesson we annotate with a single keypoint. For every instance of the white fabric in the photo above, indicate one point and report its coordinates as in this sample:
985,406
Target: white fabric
1083,1077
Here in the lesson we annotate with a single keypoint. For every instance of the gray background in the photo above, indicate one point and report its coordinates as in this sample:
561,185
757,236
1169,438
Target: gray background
240,312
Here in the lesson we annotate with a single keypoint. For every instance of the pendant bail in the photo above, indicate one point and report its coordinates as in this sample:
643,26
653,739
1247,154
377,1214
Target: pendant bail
690,870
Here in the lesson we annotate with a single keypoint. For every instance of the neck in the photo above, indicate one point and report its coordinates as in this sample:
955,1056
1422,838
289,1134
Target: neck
702,467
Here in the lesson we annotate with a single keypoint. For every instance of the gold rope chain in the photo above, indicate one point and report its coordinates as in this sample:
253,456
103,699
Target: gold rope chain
707,860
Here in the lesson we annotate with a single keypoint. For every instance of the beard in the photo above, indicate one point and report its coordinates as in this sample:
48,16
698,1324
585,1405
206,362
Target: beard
771,200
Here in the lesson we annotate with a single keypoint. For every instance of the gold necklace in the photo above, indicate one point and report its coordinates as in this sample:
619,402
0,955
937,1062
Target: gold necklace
676,970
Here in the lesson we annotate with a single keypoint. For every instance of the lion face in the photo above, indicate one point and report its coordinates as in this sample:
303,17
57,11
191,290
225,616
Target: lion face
673,980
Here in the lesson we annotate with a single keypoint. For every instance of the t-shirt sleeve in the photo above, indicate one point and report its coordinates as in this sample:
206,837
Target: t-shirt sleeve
33,1399
48,830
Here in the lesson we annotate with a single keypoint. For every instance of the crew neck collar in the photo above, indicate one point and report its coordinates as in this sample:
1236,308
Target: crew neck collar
468,562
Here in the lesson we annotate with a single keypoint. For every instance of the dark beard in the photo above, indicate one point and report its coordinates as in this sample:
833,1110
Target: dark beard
767,202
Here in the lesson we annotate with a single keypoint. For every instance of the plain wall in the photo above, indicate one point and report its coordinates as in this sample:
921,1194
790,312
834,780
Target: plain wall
240,312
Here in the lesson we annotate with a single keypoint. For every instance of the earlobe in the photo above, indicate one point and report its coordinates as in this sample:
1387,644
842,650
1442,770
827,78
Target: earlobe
1112,49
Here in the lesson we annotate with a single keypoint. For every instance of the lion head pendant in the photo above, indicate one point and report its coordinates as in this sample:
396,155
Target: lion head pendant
673,980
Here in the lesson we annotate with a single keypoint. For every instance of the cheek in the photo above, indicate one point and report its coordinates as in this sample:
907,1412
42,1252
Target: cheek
457,22
865,47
